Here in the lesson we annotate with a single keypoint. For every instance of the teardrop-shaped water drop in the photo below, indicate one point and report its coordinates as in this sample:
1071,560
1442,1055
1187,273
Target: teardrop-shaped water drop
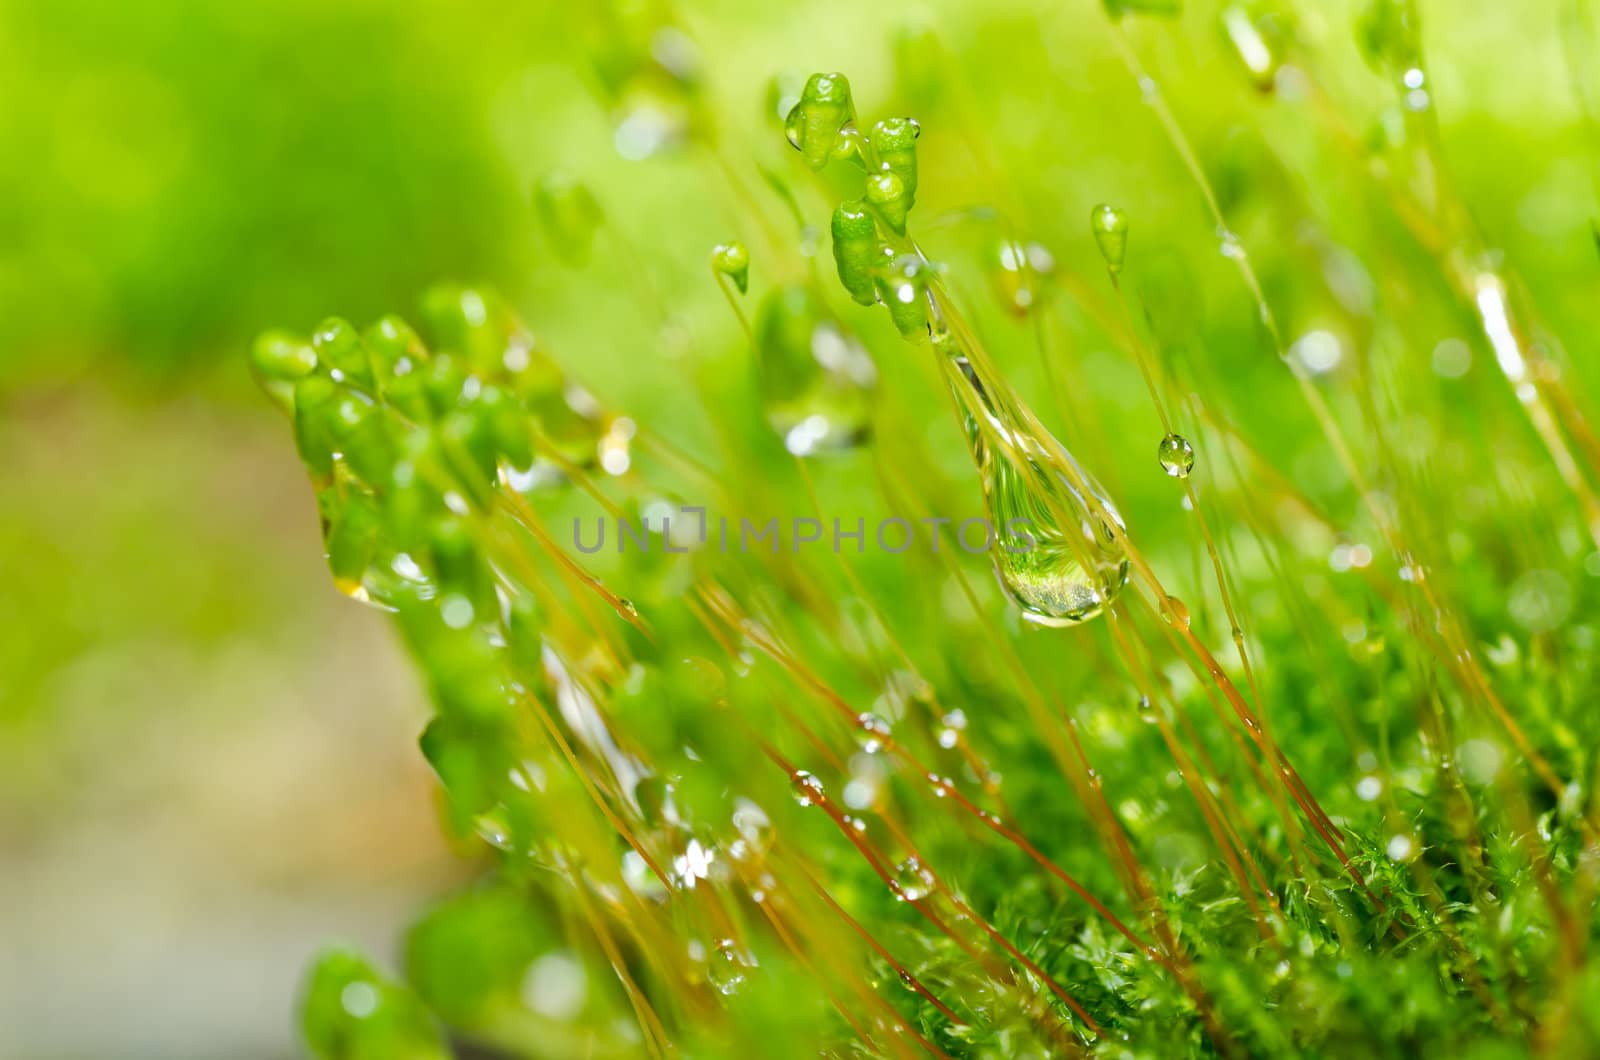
1110,228
815,378
1058,554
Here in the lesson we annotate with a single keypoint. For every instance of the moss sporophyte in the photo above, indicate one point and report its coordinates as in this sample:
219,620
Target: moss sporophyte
753,777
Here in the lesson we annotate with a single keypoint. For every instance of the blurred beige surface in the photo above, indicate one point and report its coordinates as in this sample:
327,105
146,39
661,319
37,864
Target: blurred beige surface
207,759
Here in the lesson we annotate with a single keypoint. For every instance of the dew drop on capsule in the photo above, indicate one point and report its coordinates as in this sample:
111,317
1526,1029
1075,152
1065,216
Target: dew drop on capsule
733,261
1110,228
1176,455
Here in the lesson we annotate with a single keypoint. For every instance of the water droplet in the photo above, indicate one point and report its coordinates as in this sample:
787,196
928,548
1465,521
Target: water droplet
1057,552
1175,611
815,379
1110,228
725,968
1176,455
733,261
1400,848
951,728
913,881
807,788
872,733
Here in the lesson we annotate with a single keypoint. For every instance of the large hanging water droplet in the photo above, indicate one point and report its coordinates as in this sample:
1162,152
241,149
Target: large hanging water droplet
816,381
1176,455
1058,554
1110,228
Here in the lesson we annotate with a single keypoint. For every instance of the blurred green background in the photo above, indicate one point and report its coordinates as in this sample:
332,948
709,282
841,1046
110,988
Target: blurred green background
207,761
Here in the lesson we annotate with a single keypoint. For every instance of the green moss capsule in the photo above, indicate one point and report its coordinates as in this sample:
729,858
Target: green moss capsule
902,286
813,124
855,250
278,359
895,140
314,397
733,261
886,193
1110,228
341,353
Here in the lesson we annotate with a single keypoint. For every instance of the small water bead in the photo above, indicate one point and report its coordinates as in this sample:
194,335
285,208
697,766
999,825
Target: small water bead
733,261
783,92
725,968
1175,611
913,881
807,788
851,146
873,733
1176,455
1110,228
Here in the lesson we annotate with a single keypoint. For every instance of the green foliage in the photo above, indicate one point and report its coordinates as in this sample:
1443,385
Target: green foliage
1310,774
